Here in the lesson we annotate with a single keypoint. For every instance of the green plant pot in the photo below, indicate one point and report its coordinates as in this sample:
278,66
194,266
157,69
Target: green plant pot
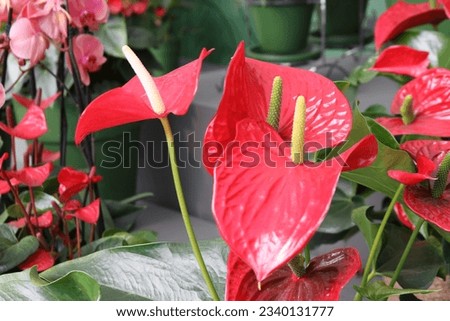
119,174
281,26
343,17
166,56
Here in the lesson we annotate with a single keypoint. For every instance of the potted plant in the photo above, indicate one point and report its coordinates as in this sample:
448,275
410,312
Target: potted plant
281,28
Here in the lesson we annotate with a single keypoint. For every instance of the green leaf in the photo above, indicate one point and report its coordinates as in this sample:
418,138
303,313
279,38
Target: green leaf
375,111
342,85
114,36
8,233
119,208
444,56
158,271
426,40
42,201
367,228
383,135
17,253
140,37
339,216
379,291
421,266
14,211
27,285
375,176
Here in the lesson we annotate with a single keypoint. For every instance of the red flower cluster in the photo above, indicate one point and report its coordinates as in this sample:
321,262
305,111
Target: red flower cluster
128,7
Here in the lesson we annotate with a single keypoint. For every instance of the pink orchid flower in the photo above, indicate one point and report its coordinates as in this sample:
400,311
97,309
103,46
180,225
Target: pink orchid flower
89,55
88,13
27,41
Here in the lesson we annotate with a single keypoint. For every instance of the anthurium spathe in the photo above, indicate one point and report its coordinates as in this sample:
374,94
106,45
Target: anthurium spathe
43,221
402,16
247,91
266,207
130,103
32,176
88,214
323,279
42,259
72,181
423,106
33,125
402,60
422,198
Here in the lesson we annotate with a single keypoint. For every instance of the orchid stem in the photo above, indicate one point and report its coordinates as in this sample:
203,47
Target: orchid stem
184,211
377,241
406,252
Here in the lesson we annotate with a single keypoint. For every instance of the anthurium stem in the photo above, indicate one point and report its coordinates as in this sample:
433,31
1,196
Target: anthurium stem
442,177
184,211
406,252
377,241
273,116
406,110
298,130
297,265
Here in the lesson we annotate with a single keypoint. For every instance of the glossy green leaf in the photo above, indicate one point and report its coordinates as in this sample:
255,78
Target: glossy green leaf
422,264
375,111
15,254
379,291
342,85
382,134
8,233
113,36
42,201
27,285
14,211
140,37
375,176
367,228
159,271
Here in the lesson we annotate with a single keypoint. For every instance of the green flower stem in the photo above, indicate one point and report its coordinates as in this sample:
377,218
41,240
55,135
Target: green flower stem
406,252
376,242
184,212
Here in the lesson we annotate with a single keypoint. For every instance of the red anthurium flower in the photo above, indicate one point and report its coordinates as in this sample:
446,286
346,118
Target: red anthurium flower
33,125
419,197
88,51
130,103
88,214
88,13
323,280
42,259
32,176
247,91
402,16
425,168
430,106
4,186
402,216
402,60
43,221
257,185
72,181
27,41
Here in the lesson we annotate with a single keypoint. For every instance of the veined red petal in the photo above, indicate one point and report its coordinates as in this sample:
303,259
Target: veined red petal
324,279
362,156
129,103
402,16
402,60
256,183
433,210
42,259
44,221
431,149
27,103
247,90
32,176
407,178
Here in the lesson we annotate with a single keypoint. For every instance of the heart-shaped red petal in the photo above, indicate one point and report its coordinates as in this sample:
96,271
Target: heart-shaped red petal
256,183
32,176
41,258
247,90
129,103
71,182
324,279
43,221
425,167
402,60
90,213
33,125
402,16
402,216
434,210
